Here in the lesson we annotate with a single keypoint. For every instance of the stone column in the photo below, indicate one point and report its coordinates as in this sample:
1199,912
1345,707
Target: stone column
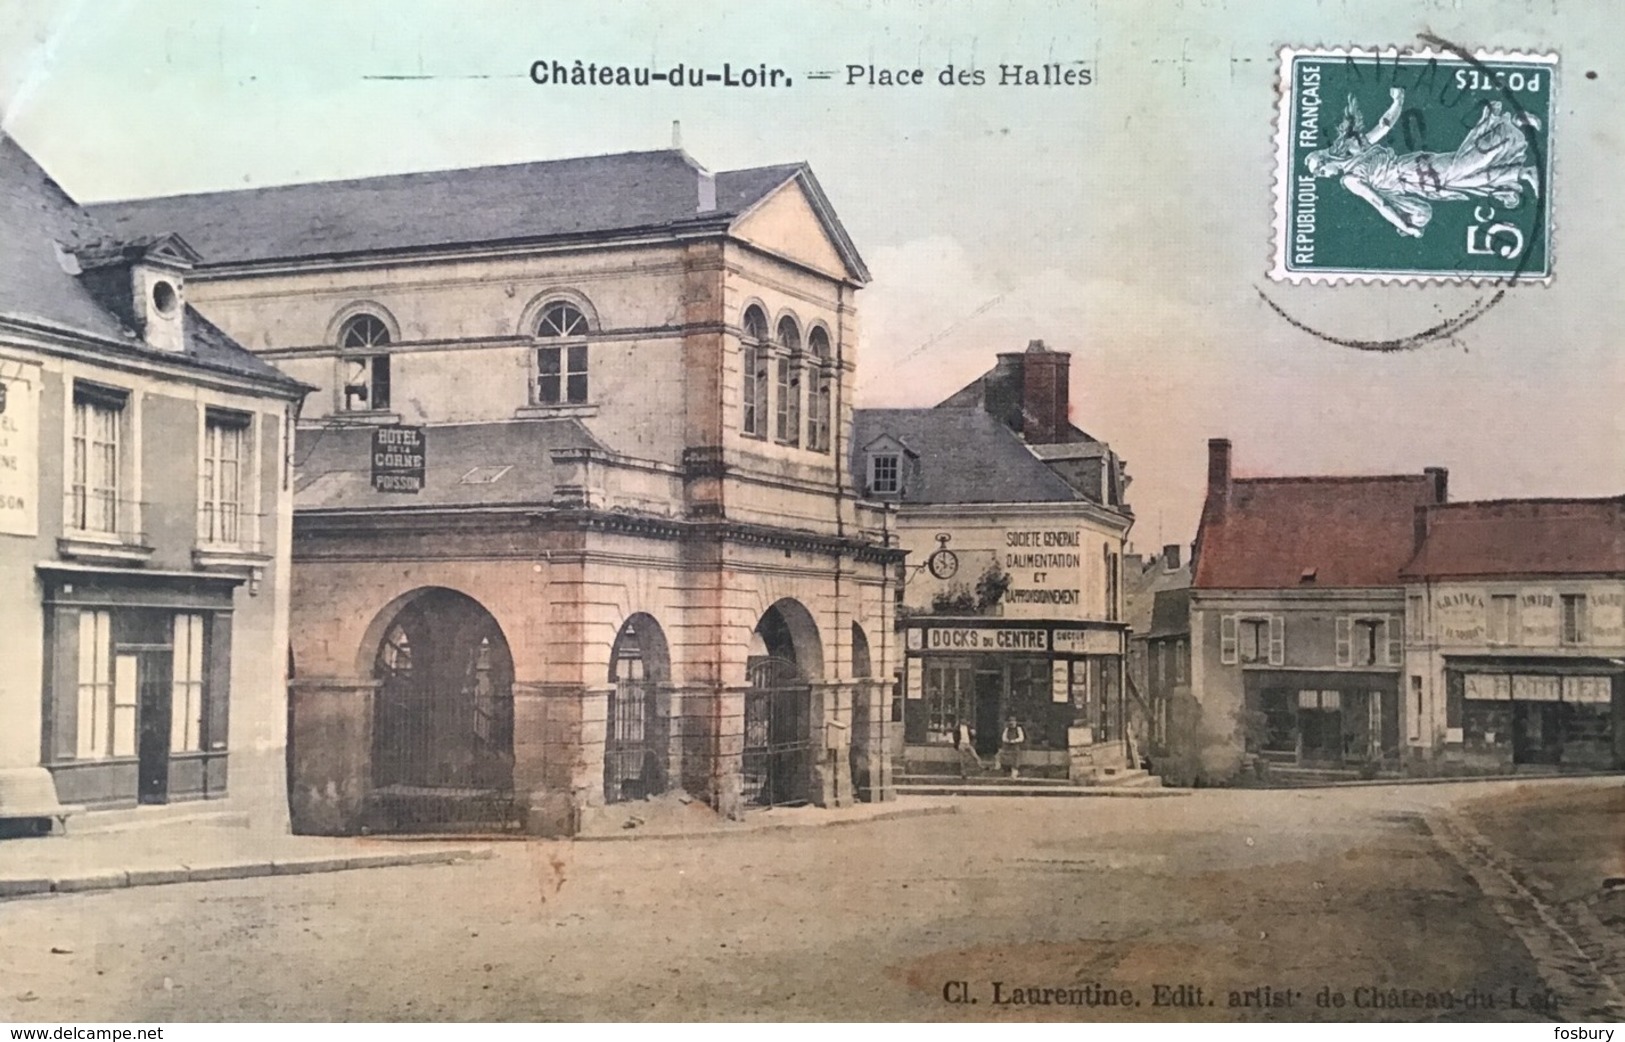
330,754
728,752
871,756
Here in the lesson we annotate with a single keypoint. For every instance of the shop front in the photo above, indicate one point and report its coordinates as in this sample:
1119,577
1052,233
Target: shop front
1322,718
1509,713
1062,682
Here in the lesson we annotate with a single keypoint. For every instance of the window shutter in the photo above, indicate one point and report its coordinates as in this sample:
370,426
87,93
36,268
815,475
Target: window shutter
1227,639
216,681
1396,649
1345,641
1277,640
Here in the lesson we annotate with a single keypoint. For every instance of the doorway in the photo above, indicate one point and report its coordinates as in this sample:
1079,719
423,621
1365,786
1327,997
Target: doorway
989,695
1536,732
148,672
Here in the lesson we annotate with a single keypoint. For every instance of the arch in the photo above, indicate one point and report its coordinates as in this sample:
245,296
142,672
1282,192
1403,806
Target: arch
443,710
357,309
787,332
530,318
861,666
789,632
635,734
753,322
819,341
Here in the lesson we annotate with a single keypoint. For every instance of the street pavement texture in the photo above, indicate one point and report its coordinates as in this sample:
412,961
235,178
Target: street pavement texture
1414,903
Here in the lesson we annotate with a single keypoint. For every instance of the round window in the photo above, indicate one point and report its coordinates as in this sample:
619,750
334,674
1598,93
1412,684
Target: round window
164,297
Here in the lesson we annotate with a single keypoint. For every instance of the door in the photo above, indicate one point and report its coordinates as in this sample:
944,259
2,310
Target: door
1536,737
151,672
989,688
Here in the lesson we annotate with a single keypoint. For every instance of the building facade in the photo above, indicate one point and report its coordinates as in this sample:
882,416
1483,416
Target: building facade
1156,604
616,551
145,513
1011,600
1296,623
1515,646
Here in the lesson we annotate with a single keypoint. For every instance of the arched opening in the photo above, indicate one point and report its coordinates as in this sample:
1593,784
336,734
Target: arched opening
860,653
635,734
778,755
443,713
863,695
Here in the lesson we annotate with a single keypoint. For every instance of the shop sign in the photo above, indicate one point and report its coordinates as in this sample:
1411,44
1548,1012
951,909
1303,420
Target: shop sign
19,454
1460,616
1538,616
1088,642
985,639
397,459
1606,609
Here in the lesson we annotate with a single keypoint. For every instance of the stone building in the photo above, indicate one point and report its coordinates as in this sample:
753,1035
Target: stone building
573,521
1011,604
1156,606
1296,608
145,512
1515,644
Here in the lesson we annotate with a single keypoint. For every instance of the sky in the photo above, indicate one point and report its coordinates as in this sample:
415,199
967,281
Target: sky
1127,221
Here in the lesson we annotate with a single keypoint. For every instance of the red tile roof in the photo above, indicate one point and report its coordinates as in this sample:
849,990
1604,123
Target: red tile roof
1523,537
1345,532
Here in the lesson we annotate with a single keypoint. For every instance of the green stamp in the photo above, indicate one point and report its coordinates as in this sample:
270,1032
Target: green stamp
1413,166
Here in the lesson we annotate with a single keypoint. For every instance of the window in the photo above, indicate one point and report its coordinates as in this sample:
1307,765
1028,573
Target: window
1574,618
1413,618
1503,619
1368,642
885,476
788,427
754,357
1254,637
1416,709
366,369
1180,654
947,700
222,484
561,369
818,390
1327,700
186,689
1111,584
93,494
106,703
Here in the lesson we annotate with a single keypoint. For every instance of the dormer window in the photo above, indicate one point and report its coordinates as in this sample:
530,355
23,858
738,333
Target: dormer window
885,474
561,368
366,367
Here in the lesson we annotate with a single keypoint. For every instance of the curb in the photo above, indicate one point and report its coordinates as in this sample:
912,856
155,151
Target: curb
1436,780
630,835
118,879
1079,792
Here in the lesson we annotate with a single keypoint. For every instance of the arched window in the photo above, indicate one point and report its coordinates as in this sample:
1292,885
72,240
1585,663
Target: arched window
818,391
788,418
364,338
561,369
754,356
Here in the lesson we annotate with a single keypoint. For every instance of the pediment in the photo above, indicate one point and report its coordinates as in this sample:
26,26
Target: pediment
795,222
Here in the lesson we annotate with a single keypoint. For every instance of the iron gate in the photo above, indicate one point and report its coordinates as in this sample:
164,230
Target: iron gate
633,743
778,734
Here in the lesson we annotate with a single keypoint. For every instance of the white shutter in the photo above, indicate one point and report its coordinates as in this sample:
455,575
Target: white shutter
1345,642
1277,640
1227,639
1396,648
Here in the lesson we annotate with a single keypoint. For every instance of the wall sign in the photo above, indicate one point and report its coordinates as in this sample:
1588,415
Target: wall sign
19,450
397,459
985,639
1088,642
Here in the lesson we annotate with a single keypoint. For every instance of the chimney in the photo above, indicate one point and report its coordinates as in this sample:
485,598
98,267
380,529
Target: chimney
1170,557
1419,528
1002,390
677,134
1045,394
1441,483
1218,467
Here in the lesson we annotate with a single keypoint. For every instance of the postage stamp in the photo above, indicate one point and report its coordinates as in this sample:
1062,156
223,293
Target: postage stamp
1413,165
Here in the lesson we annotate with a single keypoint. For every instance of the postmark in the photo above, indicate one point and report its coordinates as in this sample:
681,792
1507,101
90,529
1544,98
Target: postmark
1403,165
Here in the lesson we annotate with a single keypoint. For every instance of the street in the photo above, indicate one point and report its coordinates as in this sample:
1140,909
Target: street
1333,904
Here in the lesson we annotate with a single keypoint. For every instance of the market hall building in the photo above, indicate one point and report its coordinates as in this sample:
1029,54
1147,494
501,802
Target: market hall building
1515,650
1014,521
145,507
619,552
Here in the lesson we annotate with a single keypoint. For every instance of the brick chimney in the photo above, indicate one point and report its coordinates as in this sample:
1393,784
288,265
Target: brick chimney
1218,468
1419,528
1170,557
1045,394
1441,483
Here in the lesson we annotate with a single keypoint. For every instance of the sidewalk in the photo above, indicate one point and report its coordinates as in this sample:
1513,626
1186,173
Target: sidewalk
188,852
667,817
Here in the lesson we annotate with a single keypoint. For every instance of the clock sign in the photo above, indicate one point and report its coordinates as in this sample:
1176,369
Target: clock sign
943,563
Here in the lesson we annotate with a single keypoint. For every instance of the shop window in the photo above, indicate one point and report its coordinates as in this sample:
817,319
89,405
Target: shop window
225,476
1329,701
819,384
948,699
1503,620
754,360
106,698
186,689
1574,619
366,366
96,502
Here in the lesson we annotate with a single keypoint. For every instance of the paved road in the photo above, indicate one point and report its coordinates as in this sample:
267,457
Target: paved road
1294,892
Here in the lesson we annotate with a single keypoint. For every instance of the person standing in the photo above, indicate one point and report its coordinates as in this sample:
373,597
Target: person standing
1010,743
965,742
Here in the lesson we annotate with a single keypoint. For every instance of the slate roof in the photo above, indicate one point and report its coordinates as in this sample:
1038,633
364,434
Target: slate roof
1523,537
42,230
1352,532
964,456
1170,613
333,465
587,197
1141,588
